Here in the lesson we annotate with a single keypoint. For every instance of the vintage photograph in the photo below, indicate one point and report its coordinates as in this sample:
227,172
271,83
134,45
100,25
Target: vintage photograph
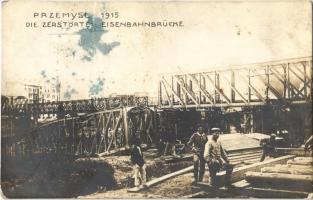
156,99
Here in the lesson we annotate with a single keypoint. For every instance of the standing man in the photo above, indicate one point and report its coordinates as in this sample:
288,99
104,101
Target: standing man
217,159
138,162
269,147
198,141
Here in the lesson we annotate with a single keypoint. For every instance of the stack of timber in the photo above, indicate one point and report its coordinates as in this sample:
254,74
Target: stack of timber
241,148
237,141
293,179
245,156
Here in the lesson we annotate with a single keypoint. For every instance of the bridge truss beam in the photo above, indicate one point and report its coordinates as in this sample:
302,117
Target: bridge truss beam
287,82
97,133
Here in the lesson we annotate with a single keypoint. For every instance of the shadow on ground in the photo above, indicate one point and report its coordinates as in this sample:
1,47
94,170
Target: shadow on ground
53,176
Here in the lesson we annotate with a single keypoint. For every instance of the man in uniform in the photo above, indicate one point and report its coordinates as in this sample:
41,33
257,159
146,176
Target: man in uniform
217,159
198,141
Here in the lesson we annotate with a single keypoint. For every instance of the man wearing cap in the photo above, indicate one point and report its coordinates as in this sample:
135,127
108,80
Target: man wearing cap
216,157
198,141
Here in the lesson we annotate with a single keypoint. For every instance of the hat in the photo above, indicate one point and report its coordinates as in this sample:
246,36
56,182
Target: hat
215,129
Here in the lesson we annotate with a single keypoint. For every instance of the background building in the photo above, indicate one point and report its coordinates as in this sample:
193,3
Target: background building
49,94
33,93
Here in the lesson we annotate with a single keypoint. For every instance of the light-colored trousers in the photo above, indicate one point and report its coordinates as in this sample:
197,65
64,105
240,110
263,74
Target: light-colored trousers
140,175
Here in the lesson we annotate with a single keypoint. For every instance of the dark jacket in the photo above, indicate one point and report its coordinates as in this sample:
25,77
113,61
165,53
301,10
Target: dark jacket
198,141
136,156
268,145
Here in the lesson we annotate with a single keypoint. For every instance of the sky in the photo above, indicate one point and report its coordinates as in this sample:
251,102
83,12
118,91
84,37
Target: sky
128,60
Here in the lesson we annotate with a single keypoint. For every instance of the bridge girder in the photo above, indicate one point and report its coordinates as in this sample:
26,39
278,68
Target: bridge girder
96,133
287,81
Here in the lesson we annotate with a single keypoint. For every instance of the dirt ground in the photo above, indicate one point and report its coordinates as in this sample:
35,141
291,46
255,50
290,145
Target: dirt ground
51,176
173,188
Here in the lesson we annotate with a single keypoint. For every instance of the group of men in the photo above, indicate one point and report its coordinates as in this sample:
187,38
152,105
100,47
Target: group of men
210,152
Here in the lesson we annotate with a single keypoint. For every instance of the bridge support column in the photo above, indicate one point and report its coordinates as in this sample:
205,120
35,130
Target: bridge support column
125,120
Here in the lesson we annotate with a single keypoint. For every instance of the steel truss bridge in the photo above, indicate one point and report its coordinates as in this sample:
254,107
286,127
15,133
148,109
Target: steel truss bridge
109,124
21,106
286,81
96,133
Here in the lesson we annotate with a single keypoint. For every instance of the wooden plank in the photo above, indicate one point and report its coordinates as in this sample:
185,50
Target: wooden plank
300,162
289,169
257,154
239,173
112,152
252,161
309,159
164,178
273,193
277,178
195,195
245,152
292,151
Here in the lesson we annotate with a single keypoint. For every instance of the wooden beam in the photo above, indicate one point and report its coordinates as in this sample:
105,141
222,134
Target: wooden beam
239,173
277,178
272,193
292,151
300,162
289,169
195,195
163,178
114,151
